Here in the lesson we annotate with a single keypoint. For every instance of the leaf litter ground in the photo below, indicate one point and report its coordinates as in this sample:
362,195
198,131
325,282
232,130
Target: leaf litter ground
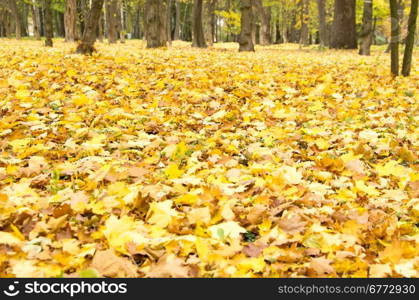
206,163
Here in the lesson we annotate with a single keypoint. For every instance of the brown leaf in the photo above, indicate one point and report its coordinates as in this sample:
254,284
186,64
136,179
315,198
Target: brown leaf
3,173
169,266
414,188
253,250
292,225
321,266
36,165
356,166
137,172
108,264
256,214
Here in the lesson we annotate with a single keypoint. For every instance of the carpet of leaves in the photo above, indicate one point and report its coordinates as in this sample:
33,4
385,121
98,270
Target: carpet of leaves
182,162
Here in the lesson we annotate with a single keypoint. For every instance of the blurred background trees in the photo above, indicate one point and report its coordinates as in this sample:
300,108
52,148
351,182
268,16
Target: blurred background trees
338,24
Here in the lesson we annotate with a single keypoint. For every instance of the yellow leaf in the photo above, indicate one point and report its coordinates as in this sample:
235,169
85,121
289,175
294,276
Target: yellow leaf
20,145
161,213
9,239
187,199
228,229
391,168
172,171
81,100
367,189
202,249
322,144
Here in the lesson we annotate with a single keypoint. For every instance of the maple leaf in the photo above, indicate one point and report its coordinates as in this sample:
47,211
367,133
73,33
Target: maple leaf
169,266
8,238
161,213
107,263
227,229
321,265
292,225
172,171
291,174
380,270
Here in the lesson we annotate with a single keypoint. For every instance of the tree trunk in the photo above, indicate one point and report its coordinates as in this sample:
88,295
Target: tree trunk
245,39
410,39
89,33
24,19
112,18
36,20
367,29
265,20
169,21
284,24
155,21
136,32
177,21
321,6
255,26
198,39
82,11
16,18
70,16
100,28
121,21
209,26
59,22
49,30
304,33
395,37
294,36
344,25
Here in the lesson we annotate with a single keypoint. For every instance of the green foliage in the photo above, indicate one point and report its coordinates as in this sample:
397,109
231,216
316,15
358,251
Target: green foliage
231,19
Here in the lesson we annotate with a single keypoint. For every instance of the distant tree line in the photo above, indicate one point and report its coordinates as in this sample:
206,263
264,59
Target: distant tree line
337,24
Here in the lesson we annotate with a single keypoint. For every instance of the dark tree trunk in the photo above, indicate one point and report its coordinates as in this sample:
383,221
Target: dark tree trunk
294,36
24,19
395,37
112,19
265,23
59,21
136,33
89,34
16,18
209,27
70,20
100,32
344,25
36,20
83,10
198,38
49,30
186,32
6,20
304,34
121,21
255,26
177,21
284,24
169,21
410,39
245,39
321,5
367,29
155,20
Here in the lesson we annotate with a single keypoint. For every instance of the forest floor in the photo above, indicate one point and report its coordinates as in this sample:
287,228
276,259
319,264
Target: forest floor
206,163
